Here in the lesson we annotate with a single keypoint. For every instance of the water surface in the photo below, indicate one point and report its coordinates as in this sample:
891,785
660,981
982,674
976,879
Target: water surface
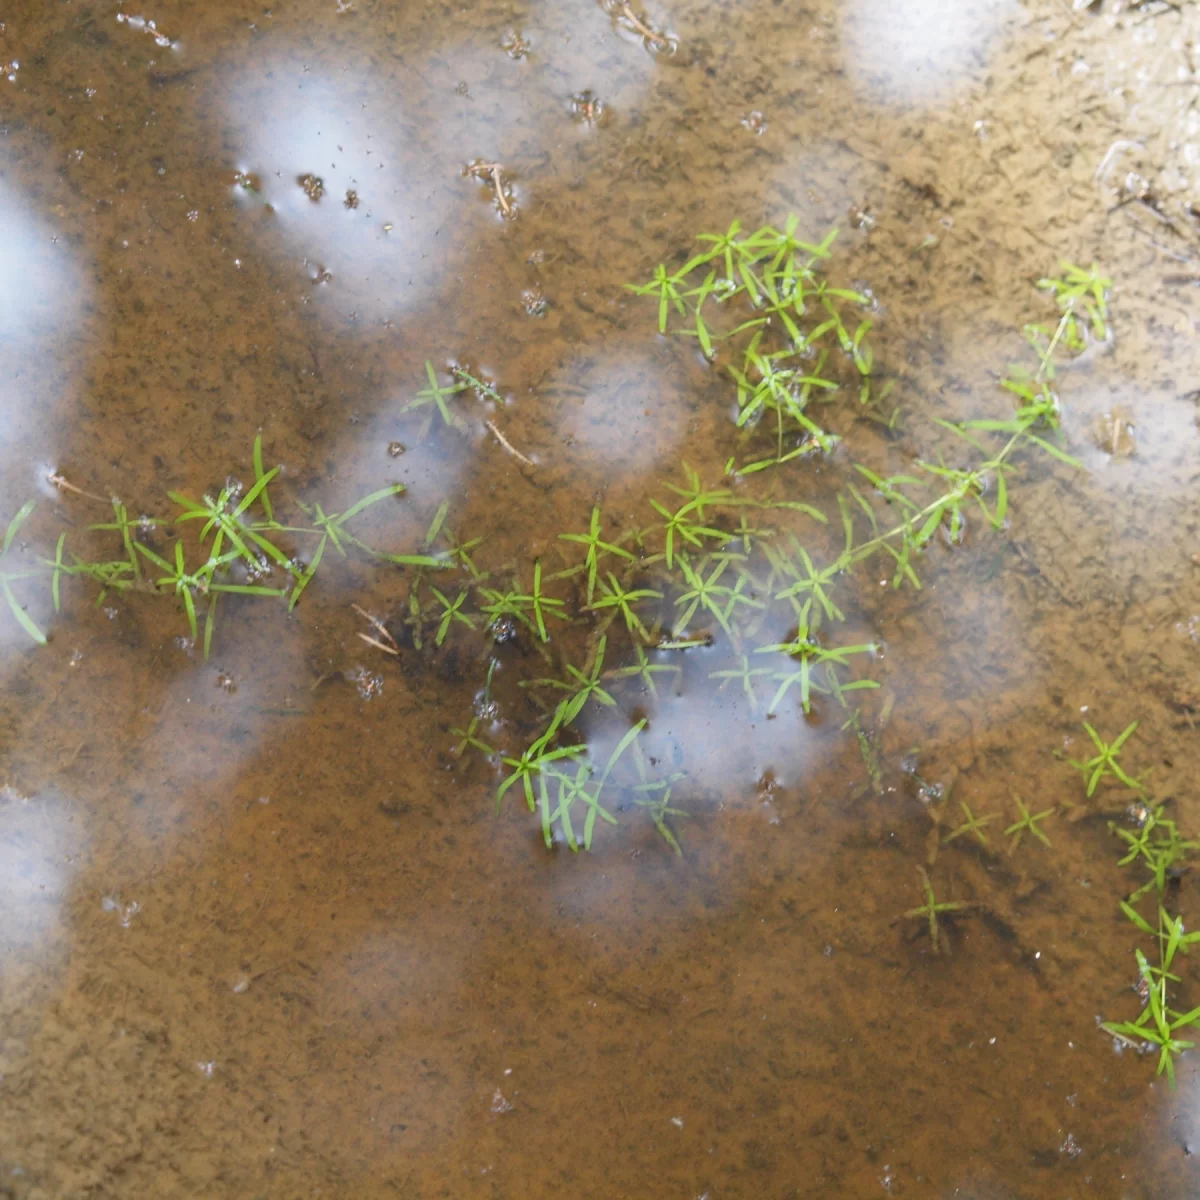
265,935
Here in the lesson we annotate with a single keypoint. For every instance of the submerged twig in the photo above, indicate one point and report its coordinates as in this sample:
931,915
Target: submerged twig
66,485
639,26
366,637
493,172
391,647
508,445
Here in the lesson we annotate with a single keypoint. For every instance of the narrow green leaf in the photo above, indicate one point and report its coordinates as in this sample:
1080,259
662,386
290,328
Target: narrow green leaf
394,490
23,618
258,474
435,526
15,524
1054,451
190,605
58,569
1137,918
307,575
257,490
161,563
210,619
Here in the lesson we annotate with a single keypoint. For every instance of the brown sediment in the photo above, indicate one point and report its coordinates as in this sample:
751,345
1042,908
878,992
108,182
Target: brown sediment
743,1019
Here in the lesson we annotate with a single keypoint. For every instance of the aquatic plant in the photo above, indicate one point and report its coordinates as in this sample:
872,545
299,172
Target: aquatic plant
701,573
582,686
615,596
239,539
653,796
9,576
706,593
597,547
642,668
437,396
1028,822
764,298
1158,1023
1156,844
469,738
481,387
677,524
531,609
535,759
932,909
779,279
451,612
974,826
809,655
773,263
127,528
558,791
1105,761
746,674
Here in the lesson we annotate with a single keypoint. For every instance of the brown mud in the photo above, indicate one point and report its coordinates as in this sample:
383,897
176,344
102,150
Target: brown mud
263,933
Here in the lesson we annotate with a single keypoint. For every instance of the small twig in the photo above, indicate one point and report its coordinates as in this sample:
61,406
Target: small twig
509,446
1120,145
640,27
60,482
494,172
366,637
391,646
501,199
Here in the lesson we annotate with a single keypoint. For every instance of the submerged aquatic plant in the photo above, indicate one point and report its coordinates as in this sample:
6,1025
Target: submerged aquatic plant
708,594
531,609
9,576
1156,844
932,909
763,305
1105,760
615,596
582,685
128,530
764,299
1157,1025
553,791
815,667
642,668
781,279
535,759
973,825
1082,295
597,547
239,538
1028,822
437,396
770,284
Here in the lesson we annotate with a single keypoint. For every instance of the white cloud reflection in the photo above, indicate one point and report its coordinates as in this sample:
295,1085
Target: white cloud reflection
914,50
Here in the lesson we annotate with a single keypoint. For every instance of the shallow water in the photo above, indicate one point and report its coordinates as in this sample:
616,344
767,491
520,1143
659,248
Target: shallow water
264,933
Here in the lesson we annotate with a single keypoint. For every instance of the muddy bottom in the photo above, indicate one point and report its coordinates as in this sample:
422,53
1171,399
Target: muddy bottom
363,835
